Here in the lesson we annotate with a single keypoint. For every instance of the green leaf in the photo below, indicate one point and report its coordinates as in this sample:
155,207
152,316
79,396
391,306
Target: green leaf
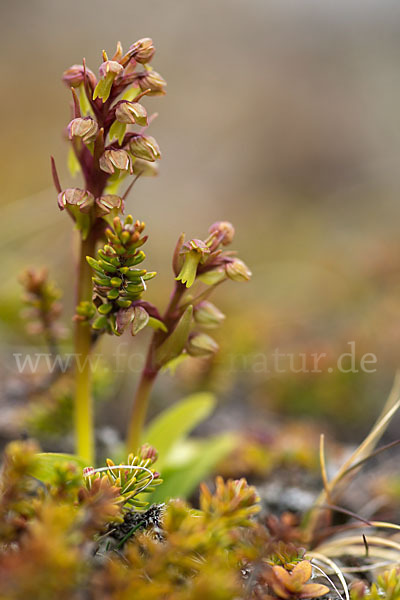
45,463
117,131
103,87
156,324
83,222
180,480
131,94
174,424
172,365
114,182
72,162
84,102
175,342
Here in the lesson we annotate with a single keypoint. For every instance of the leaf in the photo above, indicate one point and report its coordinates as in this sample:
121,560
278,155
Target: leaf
303,571
173,364
313,590
114,182
84,103
73,163
103,87
131,93
174,424
117,131
175,342
45,463
180,481
156,324
82,221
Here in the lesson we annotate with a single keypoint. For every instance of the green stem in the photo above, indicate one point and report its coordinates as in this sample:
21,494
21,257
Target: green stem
84,432
149,375
141,403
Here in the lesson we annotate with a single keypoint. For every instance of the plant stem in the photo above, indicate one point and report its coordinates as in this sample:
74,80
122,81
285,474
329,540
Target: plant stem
84,430
141,402
149,375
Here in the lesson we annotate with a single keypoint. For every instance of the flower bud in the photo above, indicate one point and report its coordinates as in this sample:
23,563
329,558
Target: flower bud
74,76
108,70
224,232
145,147
208,315
201,344
85,310
131,113
237,270
88,471
148,452
85,128
151,80
78,204
123,319
143,50
110,67
81,199
140,319
145,168
197,245
34,281
213,276
114,159
358,589
108,203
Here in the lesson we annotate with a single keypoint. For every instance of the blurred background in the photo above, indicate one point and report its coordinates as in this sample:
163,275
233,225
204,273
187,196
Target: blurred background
281,116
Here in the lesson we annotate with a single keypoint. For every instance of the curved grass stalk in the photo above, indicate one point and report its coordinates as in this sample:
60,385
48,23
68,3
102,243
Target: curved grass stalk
326,560
324,574
357,551
323,465
379,549
384,564
358,456
385,525
373,542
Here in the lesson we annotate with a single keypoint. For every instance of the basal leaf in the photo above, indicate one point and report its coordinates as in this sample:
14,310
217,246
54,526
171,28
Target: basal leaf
45,462
179,480
176,422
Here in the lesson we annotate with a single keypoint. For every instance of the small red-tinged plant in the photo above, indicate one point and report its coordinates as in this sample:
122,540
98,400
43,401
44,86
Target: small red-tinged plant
43,309
286,584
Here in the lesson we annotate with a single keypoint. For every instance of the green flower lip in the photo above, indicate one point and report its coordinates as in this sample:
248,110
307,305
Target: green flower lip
188,272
